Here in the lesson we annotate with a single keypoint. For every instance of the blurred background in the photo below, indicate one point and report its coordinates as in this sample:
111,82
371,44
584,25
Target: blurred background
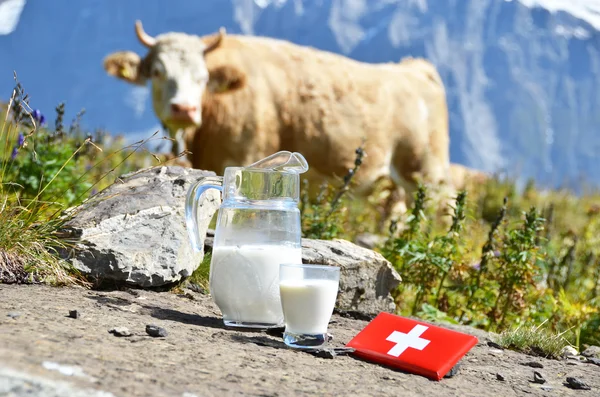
522,76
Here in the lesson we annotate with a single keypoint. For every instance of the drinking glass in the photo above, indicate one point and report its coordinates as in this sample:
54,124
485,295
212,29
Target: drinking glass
308,294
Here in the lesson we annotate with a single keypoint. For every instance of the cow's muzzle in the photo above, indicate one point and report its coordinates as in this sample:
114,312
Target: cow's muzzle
184,113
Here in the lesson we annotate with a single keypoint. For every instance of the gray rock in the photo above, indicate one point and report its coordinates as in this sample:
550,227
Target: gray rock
14,315
453,371
568,351
73,314
495,345
120,331
592,351
593,360
500,377
576,359
366,277
576,383
330,352
134,231
538,378
533,364
156,331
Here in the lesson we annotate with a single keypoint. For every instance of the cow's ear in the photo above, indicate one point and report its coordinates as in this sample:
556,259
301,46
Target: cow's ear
225,79
125,65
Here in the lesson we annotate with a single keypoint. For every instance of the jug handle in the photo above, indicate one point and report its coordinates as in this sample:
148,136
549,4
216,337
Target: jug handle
192,203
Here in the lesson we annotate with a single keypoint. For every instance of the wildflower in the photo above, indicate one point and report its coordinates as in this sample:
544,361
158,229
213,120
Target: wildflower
14,153
38,116
21,140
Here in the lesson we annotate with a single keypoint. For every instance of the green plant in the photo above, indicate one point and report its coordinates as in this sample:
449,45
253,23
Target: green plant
321,219
429,262
574,315
533,340
28,240
42,172
520,256
487,254
199,280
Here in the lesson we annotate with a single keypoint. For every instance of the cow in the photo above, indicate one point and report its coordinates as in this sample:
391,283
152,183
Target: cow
463,177
241,98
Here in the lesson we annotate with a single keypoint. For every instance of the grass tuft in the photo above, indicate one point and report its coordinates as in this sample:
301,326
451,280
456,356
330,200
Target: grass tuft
533,340
199,280
44,171
28,249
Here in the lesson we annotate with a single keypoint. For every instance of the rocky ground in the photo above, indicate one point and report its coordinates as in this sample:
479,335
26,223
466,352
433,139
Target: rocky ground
44,352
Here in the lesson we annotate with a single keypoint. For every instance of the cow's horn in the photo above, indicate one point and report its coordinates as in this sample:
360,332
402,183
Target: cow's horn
142,36
216,42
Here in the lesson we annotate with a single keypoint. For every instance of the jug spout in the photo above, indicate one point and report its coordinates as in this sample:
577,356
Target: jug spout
282,161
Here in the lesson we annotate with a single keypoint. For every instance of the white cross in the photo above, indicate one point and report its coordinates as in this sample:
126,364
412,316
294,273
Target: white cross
404,341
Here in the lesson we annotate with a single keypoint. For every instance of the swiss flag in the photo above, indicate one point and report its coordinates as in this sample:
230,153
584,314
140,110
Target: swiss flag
410,345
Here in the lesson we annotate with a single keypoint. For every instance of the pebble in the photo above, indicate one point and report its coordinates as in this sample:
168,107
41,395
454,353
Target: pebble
13,315
120,331
494,345
500,377
156,331
533,364
576,358
73,314
592,351
133,292
453,372
577,384
546,388
323,353
592,360
198,289
569,351
575,361
189,296
330,352
538,378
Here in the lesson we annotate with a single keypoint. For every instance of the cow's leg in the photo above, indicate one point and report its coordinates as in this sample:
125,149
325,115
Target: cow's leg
434,174
393,207
398,201
411,166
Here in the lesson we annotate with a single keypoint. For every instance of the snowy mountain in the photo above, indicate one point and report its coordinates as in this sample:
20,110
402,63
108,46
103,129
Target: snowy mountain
522,77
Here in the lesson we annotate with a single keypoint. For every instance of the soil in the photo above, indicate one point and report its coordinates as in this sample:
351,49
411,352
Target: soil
44,352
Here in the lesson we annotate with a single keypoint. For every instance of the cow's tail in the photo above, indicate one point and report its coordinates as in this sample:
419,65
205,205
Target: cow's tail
426,67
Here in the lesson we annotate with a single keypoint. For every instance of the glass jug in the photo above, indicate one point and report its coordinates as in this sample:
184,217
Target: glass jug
258,228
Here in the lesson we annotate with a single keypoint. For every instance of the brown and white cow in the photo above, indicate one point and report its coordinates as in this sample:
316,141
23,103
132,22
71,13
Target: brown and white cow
463,177
242,98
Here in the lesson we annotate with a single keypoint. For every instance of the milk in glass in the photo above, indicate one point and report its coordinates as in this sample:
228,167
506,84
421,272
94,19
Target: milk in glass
308,304
244,281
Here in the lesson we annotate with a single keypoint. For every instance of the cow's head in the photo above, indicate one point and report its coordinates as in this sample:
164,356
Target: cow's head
176,66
